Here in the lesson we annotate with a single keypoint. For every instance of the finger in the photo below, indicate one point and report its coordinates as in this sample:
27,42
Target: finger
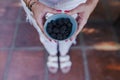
42,20
72,38
42,28
55,41
75,34
82,23
53,11
71,12
66,40
77,10
40,23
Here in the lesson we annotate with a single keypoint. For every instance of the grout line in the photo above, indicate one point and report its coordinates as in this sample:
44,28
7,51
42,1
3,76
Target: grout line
6,71
86,69
37,48
15,33
5,77
89,22
30,48
46,70
6,21
24,48
42,48
2,49
84,56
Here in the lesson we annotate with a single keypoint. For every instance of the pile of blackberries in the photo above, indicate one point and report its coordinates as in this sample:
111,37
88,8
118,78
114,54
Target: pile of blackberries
60,28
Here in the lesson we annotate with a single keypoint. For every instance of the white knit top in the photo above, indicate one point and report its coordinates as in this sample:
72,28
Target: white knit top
62,4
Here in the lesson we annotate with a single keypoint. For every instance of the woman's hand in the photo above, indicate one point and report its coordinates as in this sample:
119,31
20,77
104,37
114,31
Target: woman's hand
39,11
83,10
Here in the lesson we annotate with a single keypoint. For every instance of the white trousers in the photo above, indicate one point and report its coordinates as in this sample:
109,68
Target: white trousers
51,46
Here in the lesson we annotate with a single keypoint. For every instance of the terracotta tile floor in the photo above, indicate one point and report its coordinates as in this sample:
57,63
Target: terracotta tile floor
96,56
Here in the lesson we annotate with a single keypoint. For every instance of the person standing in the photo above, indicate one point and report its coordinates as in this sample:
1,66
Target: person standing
39,10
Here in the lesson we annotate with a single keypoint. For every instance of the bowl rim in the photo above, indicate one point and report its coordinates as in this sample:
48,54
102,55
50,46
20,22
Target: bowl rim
56,16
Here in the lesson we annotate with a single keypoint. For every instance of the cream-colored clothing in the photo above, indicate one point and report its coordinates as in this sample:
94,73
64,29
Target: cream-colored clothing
63,4
52,47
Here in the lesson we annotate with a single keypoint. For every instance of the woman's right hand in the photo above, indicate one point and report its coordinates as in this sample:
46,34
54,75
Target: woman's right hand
39,11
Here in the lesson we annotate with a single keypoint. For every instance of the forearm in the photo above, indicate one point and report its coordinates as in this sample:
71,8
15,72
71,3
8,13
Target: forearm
30,3
91,4
27,2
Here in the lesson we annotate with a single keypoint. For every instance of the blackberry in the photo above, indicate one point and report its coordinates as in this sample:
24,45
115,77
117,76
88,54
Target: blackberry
53,35
63,28
49,24
49,30
59,21
53,22
56,30
69,24
64,36
59,37
60,28
67,20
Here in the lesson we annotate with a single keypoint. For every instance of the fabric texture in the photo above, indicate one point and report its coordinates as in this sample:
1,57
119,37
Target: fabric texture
62,4
52,47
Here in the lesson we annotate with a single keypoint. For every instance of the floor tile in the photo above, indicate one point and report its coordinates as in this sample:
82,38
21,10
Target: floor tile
113,6
4,3
6,34
104,65
9,13
98,34
3,60
9,10
98,14
27,36
27,65
77,42
77,70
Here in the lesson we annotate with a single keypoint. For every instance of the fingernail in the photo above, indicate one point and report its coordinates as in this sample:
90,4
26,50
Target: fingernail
50,40
59,10
55,41
66,40
70,39
66,11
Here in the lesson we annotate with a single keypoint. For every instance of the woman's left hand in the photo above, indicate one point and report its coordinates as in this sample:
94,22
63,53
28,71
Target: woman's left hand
83,10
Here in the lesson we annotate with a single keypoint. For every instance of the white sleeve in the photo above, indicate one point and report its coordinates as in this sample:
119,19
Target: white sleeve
29,17
28,12
68,4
